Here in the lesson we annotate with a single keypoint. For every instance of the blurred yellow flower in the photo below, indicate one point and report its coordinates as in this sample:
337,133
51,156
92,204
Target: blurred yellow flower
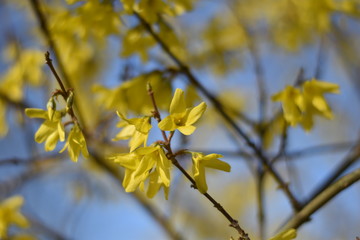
291,98
10,214
182,118
300,107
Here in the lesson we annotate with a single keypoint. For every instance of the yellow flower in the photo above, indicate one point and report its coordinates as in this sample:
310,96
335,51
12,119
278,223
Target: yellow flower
75,144
182,118
301,107
155,183
10,214
200,161
130,161
290,98
145,163
285,235
135,128
314,102
51,131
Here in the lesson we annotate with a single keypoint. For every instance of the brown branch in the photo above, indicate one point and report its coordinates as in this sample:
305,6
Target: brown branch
45,29
193,80
260,197
167,145
319,149
349,160
319,201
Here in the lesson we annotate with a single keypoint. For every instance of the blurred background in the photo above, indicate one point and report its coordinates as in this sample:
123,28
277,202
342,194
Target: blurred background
241,51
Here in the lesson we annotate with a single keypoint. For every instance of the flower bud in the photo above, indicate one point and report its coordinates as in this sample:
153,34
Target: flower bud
69,101
51,107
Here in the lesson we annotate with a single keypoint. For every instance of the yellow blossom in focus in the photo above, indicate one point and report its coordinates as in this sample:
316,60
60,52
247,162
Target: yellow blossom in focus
200,161
137,129
75,144
285,235
145,163
51,131
182,118
130,161
10,215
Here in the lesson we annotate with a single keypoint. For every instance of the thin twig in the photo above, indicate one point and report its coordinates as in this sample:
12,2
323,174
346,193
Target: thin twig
258,152
167,145
45,29
65,80
319,149
258,69
349,160
64,92
283,143
325,196
260,180
292,155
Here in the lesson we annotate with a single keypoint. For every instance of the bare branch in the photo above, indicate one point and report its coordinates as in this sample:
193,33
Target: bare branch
319,201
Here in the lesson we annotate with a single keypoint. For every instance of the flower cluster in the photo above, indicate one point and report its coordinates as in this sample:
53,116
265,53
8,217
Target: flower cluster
150,166
52,130
300,107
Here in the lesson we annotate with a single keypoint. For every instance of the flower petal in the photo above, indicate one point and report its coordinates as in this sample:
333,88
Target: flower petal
187,130
178,104
36,113
217,164
196,113
51,141
200,180
167,124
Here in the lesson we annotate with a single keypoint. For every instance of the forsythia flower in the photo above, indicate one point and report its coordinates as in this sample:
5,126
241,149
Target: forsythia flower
200,161
75,144
300,107
135,128
314,101
10,214
285,235
291,99
130,161
182,118
51,131
145,162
